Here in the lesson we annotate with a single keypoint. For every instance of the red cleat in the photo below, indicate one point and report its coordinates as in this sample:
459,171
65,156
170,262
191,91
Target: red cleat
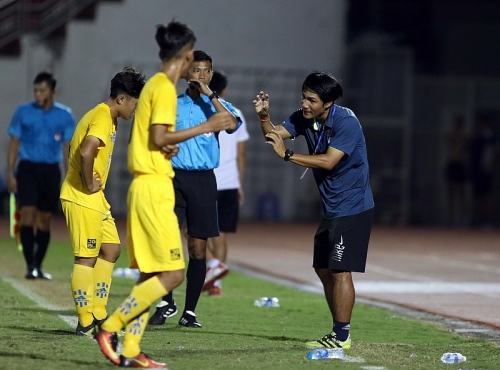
107,342
141,361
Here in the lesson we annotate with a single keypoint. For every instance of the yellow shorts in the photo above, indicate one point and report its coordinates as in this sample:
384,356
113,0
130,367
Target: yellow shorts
88,229
153,236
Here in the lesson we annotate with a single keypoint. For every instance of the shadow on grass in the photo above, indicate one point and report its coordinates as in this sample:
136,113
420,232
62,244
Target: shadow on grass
48,358
202,332
59,332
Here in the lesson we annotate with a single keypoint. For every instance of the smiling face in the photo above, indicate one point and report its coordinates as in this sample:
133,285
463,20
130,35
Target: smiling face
313,106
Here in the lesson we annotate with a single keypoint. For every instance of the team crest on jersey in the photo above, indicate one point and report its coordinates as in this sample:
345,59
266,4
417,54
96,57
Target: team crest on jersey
175,254
57,136
208,134
113,137
91,243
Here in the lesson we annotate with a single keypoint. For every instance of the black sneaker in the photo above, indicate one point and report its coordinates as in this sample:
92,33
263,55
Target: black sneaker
163,312
86,331
188,320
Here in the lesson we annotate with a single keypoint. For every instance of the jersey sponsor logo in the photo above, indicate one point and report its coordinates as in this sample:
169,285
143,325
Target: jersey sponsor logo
175,254
338,250
91,243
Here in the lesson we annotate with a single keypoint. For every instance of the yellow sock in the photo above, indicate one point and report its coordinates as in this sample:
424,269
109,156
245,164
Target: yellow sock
82,283
133,334
102,283
139,300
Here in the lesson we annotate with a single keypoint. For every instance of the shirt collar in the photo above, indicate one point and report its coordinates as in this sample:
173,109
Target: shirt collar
329,119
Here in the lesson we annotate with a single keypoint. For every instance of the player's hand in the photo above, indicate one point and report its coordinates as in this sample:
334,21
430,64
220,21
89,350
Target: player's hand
220,122
274,139
261,104
96,184
170,150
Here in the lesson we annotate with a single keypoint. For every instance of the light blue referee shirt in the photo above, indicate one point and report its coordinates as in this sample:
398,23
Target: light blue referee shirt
201,152
41,133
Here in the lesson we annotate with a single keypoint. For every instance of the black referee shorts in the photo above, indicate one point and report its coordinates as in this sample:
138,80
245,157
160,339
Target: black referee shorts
38,185
196,202
342,243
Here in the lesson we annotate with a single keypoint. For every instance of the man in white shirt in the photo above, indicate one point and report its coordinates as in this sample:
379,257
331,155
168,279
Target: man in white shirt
229,177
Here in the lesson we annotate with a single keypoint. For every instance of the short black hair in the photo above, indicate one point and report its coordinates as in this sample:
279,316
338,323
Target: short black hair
325,85
171,38
200,56
128,81
218,82
45,76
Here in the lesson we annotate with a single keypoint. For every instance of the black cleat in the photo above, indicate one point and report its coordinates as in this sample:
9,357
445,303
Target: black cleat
31,274
188,320
163,312
43,275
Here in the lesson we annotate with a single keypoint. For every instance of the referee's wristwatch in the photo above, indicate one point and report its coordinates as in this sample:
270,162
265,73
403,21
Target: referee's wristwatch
213,95
288,154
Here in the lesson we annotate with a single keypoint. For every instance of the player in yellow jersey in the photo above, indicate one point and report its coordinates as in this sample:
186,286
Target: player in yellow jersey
153,235
92,229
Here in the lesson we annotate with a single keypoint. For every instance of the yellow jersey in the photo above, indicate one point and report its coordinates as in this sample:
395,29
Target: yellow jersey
157,105
98,123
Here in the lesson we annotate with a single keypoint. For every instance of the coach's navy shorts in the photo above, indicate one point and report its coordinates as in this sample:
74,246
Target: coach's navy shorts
341,243
196,202
38,185
228,210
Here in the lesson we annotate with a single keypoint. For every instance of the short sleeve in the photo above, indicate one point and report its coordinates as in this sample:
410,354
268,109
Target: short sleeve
347,135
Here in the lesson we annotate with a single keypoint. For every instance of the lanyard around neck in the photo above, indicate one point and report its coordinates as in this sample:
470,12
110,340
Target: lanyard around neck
322,132
318,142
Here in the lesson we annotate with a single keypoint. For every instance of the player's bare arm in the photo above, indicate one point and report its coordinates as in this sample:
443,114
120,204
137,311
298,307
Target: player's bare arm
170,150
160,136
88,151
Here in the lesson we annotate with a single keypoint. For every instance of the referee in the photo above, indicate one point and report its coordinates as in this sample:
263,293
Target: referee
40,133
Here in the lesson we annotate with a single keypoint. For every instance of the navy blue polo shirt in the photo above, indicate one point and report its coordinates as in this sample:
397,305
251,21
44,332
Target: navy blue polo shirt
345,190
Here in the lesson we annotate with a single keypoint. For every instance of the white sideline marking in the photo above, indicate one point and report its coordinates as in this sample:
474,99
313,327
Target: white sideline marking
72,321
434,287
40,301
471,330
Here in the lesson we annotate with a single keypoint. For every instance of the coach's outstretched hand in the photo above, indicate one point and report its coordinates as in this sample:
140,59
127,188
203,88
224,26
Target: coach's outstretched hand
261,104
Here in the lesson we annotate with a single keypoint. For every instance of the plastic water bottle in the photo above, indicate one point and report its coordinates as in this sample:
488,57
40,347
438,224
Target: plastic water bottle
323,353
126,273
267,302
453,358
120,272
